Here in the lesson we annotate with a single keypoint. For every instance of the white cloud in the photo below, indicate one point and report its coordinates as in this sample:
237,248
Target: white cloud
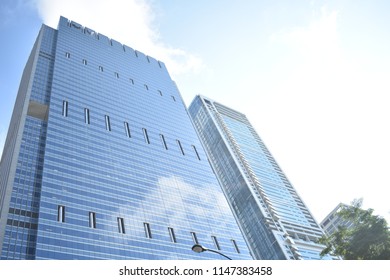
130,22
336,105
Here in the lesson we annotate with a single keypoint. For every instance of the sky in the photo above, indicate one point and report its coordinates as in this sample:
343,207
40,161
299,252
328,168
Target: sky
311,76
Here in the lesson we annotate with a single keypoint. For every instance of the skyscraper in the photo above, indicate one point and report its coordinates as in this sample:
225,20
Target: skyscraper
275,221
102,161
332,221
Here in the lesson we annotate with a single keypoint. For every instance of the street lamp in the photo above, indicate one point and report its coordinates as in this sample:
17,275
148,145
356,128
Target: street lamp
199,249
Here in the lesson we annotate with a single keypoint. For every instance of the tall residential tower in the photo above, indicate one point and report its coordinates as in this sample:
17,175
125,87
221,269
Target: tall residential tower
102,161
275,221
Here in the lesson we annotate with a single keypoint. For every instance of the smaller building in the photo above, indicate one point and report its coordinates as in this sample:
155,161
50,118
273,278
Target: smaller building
332,221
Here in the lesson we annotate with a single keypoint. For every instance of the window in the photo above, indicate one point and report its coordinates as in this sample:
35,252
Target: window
108,124
172,234
131,81
147,57
136,53
196,152
116,75
84,61
148,232
146,86
86,116
174,99
61,214
121,225
235,246
146,136
194,238
216,244
159,91
163,142
67,55
159,64
181,148
92,219
127,129
101,68
65,108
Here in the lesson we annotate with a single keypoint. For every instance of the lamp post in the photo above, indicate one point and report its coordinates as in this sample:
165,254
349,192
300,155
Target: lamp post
199,249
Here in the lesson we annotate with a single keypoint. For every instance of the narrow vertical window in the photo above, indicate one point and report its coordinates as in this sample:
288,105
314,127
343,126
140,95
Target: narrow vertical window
131,81
180,146
117,75
159,64
146,136
121,225
174,99
235,246
147,57
136,53
67,55
84,61
92,219
216,244
86,116
148,232
196,152
61,214
146,86
65,108
159,91
172,234
108,124
194,238
127,129
163,142
101,68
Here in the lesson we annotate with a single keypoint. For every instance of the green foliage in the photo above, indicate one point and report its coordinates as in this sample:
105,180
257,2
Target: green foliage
367,239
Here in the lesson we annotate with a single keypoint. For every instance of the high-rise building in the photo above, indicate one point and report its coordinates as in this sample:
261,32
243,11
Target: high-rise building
275,221
102,161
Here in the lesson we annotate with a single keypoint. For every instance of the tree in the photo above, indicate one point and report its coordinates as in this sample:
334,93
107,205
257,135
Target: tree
367,237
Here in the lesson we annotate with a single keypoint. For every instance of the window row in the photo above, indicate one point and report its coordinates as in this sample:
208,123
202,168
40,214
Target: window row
127,130
146,226
116,75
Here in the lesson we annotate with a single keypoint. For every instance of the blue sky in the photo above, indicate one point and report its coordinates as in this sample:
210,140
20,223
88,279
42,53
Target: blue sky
311,76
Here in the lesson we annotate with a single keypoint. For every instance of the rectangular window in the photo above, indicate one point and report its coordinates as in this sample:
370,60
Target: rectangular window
181,148
117,75
159,91
84,61
163,142
216,244
121,225
61,214
92,219
127,129
86,116
65,108
67,55
131,81
148,232
159,64
147,57
235,246
196,152
174,99
146,86
172,234
108,124
101,68
194,238
146,136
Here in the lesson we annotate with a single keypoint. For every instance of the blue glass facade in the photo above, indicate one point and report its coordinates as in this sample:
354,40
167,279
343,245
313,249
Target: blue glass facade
109,165
275,221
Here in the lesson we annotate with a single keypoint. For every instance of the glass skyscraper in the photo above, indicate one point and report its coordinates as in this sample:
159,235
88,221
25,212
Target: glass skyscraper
102,161
275,221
